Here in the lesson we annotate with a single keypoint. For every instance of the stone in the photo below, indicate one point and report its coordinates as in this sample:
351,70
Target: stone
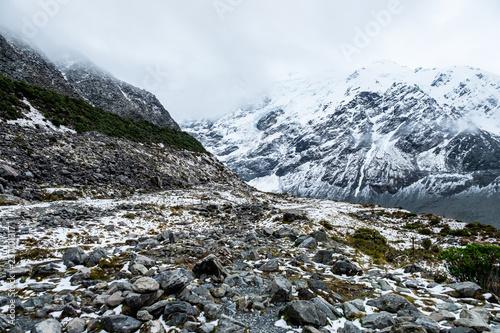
218,292
141,259
442,315
94,257
390,302
41,287
5,323
74,256
157,308
477,325
323,257
349,327
461,329
207,328
149,243
145,285
230,325
172,282
310,329
304,313
308,243
115,299
430,325
76,325
413,268
378,320
138,269
153,326
285,232
281,289
210,265
319,235
179,307
136,301
345,268
350,311
407,327
212,310
270,266
8,172
328,309
143,315
47,326
120,324
465,289
317,286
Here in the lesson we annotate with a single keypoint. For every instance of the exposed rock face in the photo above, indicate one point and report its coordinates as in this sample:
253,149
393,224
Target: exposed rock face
76,76
385,135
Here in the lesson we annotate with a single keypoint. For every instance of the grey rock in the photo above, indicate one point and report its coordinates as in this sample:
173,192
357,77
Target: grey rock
350,311
281,289
320,235
138,269
115,299
206,328
270,266
172,282
430,325
149,243
390,302
477,325
407,327
210,265
465,289
462,329
413,268
304,313
384,285
120,324
230,325
145,285
8,172
349,327
318,286
449,306
141,259
76,325
74,256
5,323
136,301
18,271
47,326
153,326
212,310
94,257
41,287
179,307
345,268
323,257
378,320
328,309
309,243
143,315
442,315
157,308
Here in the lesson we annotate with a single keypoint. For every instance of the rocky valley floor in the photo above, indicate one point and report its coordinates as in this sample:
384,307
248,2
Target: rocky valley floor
215,258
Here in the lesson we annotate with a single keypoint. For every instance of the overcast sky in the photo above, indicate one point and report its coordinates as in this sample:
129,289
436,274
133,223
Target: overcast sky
203,57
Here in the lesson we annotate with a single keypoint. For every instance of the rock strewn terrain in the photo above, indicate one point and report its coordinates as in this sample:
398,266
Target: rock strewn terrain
213,257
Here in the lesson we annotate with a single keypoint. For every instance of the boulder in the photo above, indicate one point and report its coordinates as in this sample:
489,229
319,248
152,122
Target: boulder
407,327
76,325
413,268
390,302
179,307
153,326
349,327
308,243
465,289
378,320
351,311
212,310
145,285
320,236
141,259
172,282
281,289
270,266
230,325
323,257
210,265
120,324
345,268
430,325
47,326
74,256
328,309
94,257
115,299
7,172
304,313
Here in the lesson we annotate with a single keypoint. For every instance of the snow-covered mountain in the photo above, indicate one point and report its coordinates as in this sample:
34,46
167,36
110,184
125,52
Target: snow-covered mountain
425,139
74,75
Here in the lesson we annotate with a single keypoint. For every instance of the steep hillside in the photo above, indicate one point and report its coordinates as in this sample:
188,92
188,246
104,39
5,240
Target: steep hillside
426,140
75,76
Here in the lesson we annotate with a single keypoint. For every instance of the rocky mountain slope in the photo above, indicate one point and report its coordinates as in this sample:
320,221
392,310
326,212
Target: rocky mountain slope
73,75
427,140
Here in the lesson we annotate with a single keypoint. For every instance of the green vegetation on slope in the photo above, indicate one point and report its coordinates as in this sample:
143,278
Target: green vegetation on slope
83,117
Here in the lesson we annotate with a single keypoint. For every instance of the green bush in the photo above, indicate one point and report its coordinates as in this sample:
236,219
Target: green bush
83,117
426,243
425,231
477,263
370,235
370,242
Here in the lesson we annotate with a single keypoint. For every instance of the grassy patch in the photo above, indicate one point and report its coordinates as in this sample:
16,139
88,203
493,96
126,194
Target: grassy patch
83,117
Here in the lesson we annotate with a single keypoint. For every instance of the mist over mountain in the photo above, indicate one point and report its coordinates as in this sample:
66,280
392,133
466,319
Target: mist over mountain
425,139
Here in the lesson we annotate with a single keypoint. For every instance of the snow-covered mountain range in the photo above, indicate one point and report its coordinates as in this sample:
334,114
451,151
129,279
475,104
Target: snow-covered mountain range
426,139
72,74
